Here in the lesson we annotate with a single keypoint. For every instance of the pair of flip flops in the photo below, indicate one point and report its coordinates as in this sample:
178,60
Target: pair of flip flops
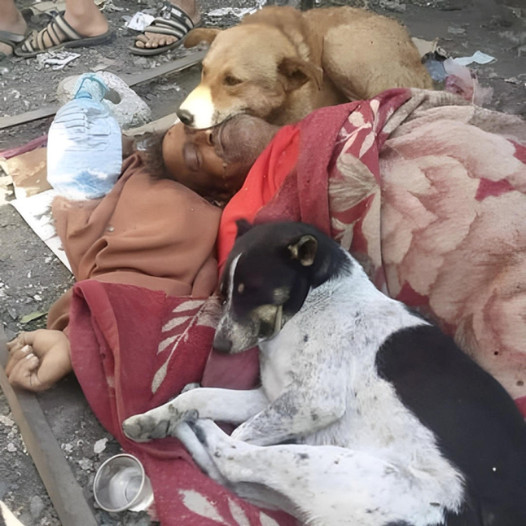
172,21
61,35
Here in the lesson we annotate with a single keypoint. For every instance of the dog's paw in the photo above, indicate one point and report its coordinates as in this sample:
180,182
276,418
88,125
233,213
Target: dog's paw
142,428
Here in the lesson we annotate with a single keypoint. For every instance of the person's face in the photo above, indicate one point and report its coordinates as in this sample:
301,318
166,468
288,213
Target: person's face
214,162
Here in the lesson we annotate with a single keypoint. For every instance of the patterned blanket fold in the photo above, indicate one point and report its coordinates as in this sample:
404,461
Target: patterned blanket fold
427,191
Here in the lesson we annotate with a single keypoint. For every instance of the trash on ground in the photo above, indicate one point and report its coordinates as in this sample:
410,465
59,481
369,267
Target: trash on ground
236,11
477,57
139,21
462,81
56,59
32,316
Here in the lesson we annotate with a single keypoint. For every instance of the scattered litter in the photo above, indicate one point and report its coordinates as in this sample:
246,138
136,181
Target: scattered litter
514,80
56,59
110,7
462,81
31,316
50,7
139,21
11,447
46,7
236,11
36,211
100,445
436,69
478,57
425,46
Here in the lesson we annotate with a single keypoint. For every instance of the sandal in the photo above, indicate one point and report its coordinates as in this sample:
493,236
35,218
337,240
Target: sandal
61,35
11,40
172,21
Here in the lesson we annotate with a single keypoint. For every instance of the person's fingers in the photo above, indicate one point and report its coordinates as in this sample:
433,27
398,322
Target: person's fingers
41,362
23,339
16,343
24,374
15,355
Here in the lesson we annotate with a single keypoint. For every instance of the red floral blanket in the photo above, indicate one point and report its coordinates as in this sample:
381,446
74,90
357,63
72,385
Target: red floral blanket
427,191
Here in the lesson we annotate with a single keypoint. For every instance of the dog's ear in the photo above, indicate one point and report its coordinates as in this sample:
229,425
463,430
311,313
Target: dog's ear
201,34
304,249
243,226
297,72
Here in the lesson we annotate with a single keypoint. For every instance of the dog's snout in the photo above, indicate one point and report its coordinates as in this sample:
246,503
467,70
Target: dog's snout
185,117
222,343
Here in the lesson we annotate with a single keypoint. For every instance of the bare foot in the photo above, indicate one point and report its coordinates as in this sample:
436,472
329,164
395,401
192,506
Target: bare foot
38,359
149,40
86,19
11,20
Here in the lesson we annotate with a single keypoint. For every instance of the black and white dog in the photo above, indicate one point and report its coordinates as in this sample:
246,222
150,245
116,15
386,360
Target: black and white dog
367,414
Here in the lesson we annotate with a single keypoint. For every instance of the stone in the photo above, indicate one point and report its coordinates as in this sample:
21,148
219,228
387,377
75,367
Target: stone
36,507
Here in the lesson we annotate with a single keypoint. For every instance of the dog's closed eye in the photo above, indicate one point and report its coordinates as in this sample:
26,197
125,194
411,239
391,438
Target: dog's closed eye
231,80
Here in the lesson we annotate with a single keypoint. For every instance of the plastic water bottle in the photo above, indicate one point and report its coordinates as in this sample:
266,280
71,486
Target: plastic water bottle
84,151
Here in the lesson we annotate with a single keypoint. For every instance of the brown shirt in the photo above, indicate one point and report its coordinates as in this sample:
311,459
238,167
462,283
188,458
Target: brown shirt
156,234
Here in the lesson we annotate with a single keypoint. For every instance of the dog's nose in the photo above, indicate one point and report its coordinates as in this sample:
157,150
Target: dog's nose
185,117
222,344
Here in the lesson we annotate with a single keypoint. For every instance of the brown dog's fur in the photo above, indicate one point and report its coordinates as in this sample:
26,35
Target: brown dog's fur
281,63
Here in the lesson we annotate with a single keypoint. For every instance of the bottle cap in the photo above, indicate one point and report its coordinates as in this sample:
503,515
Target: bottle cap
90,86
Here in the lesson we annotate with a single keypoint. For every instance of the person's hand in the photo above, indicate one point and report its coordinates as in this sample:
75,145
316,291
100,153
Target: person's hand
38,359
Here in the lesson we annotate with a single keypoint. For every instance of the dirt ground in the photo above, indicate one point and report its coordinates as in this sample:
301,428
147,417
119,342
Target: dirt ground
31,277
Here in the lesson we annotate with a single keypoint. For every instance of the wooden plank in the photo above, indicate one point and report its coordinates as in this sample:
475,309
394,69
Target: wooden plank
131,80
61,485
165,69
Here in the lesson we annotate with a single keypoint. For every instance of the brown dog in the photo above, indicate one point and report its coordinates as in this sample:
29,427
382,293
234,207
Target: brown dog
280,64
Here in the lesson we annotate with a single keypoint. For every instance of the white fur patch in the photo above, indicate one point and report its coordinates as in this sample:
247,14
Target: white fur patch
200,105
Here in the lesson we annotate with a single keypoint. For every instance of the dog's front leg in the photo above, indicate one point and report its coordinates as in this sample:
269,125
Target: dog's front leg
294,414
226,405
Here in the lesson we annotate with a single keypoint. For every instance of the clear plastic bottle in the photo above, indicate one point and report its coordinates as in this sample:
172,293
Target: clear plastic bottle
84,150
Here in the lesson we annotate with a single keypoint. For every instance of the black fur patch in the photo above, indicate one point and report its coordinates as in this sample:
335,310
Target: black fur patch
476,422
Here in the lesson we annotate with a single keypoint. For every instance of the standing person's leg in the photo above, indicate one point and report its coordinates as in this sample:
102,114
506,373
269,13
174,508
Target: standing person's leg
12,27
82,24
168,29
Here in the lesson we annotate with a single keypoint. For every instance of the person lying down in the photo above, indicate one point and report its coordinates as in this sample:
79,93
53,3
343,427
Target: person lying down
430,254
153,230
424,189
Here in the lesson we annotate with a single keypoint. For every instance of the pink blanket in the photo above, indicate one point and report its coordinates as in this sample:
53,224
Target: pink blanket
427,191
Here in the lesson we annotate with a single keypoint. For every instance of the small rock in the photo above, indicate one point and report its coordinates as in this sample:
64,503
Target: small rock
100,445
85,464
11,447
6,421
36,507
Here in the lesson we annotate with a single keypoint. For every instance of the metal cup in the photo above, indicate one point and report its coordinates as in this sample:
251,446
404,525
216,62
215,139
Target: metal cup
121,484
